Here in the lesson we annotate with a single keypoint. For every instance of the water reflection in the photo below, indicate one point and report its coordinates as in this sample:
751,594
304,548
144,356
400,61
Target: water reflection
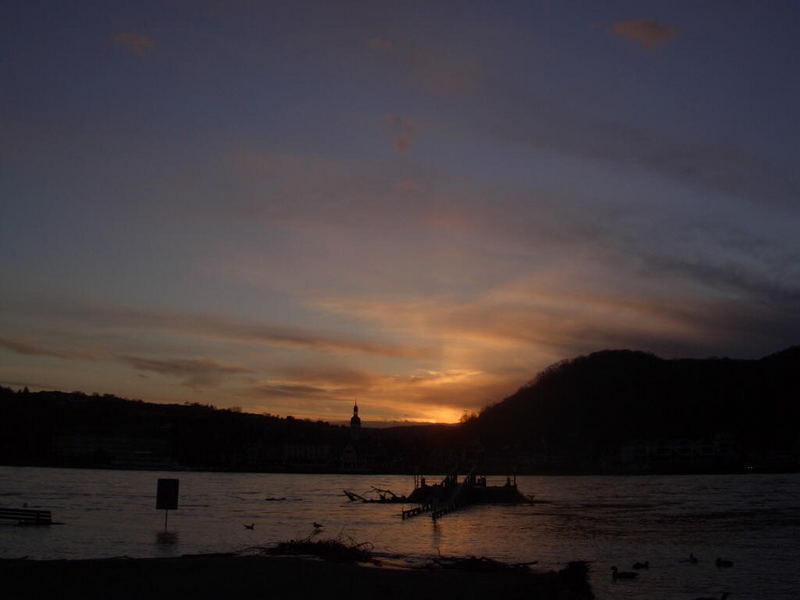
751,520
436,537
166,538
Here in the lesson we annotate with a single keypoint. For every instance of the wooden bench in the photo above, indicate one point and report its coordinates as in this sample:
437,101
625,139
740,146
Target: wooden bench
27,516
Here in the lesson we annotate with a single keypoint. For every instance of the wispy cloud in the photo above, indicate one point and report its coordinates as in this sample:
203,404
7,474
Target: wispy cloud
268,390
30,349
523,321
135,43
404,132
337,377
649,34
528,116
222,328
195,372
439,70
520,113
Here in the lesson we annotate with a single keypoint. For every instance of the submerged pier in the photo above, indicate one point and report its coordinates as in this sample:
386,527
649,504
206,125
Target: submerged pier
448,496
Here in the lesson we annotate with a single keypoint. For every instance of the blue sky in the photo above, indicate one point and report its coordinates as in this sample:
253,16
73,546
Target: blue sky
419,205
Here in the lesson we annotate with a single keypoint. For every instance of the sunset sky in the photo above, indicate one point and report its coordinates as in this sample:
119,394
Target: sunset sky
289,206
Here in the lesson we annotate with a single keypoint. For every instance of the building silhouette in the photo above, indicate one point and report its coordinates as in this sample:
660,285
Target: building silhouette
355,423
353,454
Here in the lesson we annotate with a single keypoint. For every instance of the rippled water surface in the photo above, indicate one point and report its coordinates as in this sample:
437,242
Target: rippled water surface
753,520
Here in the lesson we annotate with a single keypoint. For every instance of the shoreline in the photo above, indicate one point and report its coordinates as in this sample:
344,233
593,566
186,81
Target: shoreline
200,577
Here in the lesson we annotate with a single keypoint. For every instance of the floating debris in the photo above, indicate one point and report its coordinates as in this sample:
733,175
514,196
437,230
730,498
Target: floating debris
335,550
478,563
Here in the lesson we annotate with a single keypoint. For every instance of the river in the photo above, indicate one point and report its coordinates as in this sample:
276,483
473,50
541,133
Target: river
752,520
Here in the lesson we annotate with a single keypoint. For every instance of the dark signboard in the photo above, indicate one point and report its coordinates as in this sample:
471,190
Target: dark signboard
167,495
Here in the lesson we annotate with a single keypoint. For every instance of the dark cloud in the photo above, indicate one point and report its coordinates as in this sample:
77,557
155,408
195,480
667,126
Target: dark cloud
748,284
674,327
756,310
195,372
21,347
337,376
135,43
530,117
313,381
289,390
649,34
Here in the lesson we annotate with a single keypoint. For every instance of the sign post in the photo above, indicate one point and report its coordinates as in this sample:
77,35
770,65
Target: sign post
167,497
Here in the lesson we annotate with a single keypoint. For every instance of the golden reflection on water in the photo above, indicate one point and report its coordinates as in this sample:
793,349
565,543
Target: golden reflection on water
436,537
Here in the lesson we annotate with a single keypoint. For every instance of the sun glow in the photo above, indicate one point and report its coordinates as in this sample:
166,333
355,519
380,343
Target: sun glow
442,414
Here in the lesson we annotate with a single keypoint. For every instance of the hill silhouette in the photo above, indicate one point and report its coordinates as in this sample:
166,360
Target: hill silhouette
76,429
587,410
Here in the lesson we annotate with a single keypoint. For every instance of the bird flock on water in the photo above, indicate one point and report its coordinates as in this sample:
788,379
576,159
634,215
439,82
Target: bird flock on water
720,563
317,526
616,574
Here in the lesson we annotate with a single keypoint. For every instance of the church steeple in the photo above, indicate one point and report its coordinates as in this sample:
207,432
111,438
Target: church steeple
355,422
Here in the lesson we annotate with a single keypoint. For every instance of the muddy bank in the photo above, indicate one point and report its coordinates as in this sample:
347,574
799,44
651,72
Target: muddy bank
207,577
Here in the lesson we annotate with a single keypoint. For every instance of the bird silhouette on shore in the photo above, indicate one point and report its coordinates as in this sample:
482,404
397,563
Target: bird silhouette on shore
251,526
617,574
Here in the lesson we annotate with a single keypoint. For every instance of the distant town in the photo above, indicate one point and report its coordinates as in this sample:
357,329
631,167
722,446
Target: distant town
609,412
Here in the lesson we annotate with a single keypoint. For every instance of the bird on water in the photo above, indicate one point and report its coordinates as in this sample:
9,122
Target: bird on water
722,563
692,559
251,526
617,574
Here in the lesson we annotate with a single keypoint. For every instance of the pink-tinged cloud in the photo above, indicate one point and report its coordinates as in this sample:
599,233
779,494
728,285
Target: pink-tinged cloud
135,43
649,34
405,131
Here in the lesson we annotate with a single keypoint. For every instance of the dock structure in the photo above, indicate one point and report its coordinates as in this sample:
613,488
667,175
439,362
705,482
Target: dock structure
451,495
417,510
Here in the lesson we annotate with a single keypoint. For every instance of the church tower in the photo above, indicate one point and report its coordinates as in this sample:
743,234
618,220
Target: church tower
355,423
